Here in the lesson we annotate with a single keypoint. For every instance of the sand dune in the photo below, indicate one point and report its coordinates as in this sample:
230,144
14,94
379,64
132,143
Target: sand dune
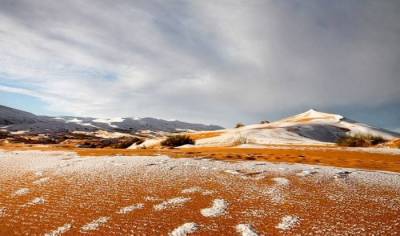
308,128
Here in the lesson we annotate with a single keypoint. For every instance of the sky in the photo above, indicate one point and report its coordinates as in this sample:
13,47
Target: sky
214,62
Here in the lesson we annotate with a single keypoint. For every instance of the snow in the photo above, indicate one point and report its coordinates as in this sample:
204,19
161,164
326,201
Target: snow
275,194
21,192
41,180
251,146
197,190
305,173
151,198
171,203
147,143
246,230
35,201
94,225
232,172
39,173
74,120
237,190
19,132
130,208
60,230
78,121
184,229
218,208
104,134
309,128
38,200
288,222
109,121
281,181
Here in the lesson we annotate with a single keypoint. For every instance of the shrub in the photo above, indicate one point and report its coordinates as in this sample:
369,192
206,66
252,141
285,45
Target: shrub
177,140
264,122
119,143
240,140
3,135
360,140
238,125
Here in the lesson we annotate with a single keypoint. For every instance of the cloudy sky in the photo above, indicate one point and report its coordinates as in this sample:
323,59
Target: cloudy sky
214,61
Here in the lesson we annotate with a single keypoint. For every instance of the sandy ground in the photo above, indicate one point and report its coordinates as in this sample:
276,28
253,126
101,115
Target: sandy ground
386,159
64,193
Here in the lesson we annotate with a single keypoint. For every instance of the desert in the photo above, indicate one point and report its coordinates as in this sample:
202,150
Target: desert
265,179
199,117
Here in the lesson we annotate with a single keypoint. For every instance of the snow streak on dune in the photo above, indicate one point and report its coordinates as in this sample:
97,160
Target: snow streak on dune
130,208
184,229
170,203
246,230
309,128
94,225
218,208
60,230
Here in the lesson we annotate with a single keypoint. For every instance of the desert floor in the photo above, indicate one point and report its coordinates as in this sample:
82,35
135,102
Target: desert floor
66,193
384,159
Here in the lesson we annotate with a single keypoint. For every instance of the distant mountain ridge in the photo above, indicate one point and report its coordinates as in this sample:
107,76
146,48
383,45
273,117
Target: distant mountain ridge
16,120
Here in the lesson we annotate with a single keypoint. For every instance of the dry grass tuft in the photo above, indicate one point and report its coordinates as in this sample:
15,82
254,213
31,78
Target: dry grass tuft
177,140
360,140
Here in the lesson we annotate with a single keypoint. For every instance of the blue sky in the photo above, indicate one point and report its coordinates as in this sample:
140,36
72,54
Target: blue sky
24,102
215,62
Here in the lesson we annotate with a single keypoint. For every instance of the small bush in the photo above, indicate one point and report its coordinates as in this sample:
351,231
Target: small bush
238,125
177,140
3,135
118,143
264,122
240,140
360,140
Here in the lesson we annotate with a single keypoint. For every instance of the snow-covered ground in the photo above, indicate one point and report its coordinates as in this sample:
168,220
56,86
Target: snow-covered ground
123,195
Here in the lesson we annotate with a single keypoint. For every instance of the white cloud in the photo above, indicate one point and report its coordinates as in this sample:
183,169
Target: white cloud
217,62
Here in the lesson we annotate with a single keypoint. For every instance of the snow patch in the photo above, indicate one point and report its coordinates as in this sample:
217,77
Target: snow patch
192,190
276,195
39,173
218,208
288,222
60,230
232,172
246,230
305,173
184,229
35,201
21,192
170,203
41,180
151,198
130,208
94,225
110,121
207,192
197,190
281,181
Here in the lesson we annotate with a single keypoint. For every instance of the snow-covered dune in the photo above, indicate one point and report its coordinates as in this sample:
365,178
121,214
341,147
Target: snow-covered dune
16,120
308,128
